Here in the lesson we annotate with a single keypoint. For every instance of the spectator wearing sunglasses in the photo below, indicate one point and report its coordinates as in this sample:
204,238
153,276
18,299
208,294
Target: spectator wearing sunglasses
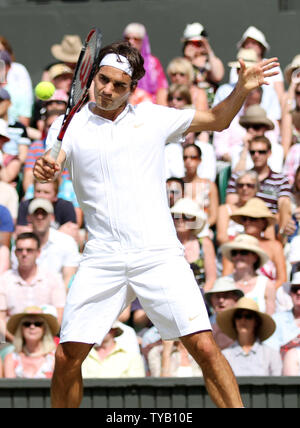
34,331
249,327
247,257
256,124
29,284
256,219
287,334
247,185
274,188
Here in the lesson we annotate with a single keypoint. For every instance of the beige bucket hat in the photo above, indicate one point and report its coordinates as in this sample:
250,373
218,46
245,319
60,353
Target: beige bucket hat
191,209
249,56
255,114
223,284
290,68
68,50
255,208
244,242
225,319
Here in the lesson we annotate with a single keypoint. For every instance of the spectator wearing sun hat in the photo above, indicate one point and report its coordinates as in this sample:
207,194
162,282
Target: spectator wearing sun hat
256,219
197,49
222,296
269,101
34,331
249,328
253,38
247,257
191,227
256,122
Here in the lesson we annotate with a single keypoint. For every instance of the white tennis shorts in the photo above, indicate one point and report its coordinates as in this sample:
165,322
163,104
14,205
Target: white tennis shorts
106,283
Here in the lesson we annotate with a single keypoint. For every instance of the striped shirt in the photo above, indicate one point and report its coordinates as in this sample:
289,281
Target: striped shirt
36,150
273,187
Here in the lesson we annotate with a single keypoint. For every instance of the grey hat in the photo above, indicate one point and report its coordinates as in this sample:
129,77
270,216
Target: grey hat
223,285
37,203
4,94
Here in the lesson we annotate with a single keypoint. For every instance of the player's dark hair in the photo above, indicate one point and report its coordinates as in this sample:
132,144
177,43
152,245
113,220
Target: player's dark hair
134,57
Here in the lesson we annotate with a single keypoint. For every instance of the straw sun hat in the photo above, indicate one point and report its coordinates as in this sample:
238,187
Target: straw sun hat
190,208
42,312
249,56
226,324
68,50
255,208
245,242
255,114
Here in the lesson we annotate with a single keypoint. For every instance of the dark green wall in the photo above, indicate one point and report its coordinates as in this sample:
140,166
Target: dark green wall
32,26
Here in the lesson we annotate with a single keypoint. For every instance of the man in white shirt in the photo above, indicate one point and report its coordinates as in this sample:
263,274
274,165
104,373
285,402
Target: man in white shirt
115,155
59,251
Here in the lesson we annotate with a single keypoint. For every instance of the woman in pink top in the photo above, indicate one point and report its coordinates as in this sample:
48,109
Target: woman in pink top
33,356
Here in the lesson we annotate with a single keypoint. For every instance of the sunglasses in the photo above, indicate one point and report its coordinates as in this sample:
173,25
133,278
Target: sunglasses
260,152
185,157
183,217
256,127
252,219
249,185
196,43
28,324
297,92
245,315
241,252
295,289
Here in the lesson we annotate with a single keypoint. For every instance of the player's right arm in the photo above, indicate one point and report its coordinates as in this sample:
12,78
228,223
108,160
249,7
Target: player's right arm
46,169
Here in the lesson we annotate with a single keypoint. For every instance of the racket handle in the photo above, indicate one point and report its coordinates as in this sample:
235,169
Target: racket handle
55,149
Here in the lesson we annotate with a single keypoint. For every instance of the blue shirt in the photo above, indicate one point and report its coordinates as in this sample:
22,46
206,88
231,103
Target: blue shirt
6,221
286,329
261,360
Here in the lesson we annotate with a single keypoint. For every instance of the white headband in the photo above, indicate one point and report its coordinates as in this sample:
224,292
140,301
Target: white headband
117,61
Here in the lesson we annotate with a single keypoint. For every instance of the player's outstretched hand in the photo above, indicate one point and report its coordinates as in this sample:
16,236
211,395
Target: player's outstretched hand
256,75
46,169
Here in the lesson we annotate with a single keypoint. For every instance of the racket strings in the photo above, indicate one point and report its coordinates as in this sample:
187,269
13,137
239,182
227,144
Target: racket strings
82,74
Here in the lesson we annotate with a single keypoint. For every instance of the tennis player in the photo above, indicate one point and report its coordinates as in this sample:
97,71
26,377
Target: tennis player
115,156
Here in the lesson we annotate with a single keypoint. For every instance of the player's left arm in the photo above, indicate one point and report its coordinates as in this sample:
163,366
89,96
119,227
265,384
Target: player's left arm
219,117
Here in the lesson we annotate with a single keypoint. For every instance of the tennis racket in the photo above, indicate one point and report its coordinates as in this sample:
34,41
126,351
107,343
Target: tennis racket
86,68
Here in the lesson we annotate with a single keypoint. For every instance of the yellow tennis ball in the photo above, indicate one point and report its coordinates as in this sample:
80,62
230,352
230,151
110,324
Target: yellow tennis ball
44,90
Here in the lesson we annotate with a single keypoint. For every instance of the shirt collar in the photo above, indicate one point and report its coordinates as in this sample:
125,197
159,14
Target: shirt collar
238,350
90,115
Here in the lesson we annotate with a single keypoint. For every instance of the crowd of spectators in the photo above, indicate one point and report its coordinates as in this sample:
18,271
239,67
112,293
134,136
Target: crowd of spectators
233,195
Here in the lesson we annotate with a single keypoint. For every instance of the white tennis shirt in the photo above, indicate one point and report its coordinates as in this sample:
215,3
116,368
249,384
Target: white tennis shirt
118,173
